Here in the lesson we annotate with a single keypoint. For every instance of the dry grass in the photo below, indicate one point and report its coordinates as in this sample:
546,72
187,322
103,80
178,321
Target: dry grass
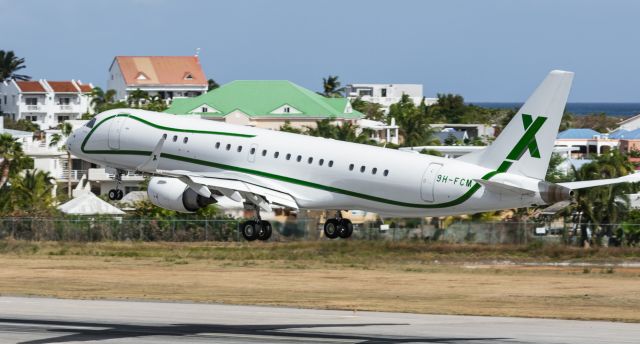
401,277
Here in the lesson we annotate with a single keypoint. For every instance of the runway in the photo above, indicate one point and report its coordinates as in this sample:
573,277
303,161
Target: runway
44,320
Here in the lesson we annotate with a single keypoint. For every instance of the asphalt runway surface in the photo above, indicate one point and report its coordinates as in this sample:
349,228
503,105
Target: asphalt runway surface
44,320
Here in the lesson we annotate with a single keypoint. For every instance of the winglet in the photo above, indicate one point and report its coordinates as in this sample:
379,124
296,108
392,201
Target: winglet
151,164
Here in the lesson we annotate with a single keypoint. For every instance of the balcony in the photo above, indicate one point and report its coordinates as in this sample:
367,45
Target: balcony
100,174
65,108
31,108
76,175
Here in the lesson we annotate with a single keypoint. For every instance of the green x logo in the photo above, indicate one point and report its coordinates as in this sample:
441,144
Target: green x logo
528,140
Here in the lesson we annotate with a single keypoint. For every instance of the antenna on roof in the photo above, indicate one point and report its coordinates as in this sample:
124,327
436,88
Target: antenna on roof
197,52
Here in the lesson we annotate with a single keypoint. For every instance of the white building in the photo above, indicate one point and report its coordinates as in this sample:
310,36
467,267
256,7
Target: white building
46,103
165,76
387,94
380,131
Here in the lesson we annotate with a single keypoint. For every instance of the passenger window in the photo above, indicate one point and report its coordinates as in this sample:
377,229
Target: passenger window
239,149
217,145
175,138
185,140
320,162
299,158
350,167
253,150
386,173
264,152
288,156
374,170
310,160
228,146
362,168
276,155
164,136
330,163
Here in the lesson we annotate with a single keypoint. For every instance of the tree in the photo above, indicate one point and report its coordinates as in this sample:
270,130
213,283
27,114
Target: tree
9,65
33,192
155,104
605,206
101,99
136,96
12,158
413,122
65,130
372,111
287,127
212,85
21,124
331,87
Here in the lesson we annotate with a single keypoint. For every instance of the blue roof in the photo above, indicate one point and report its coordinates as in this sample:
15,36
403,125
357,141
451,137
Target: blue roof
578,134
622,134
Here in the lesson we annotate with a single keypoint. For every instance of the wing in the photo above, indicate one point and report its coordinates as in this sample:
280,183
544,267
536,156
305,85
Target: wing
631,178
233,186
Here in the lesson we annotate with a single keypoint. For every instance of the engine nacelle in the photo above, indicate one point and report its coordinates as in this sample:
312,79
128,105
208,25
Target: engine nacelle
173,194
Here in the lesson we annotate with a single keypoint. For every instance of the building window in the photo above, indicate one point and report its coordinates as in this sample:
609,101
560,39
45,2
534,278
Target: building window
276,155
383,92
205,109
310,160
32,118
362,168
239,149
217,145
175,138
62,118
330,163
31,101
185,140
299,158
386,173
374,170
288,156
64,101
351,167
287,109
321,162
228,146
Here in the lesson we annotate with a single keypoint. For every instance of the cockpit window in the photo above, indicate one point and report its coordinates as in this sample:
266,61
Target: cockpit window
91,123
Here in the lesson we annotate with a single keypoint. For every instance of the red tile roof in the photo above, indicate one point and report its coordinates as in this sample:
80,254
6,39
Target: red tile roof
84,88
63,86
30,86
161,70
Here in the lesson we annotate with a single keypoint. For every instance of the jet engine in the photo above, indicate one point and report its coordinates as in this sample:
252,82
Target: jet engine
173,194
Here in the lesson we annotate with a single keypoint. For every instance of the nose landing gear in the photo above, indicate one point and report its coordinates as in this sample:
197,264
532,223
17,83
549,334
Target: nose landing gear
117,194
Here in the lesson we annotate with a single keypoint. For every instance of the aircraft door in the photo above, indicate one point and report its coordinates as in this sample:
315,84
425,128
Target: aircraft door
115,129
427,186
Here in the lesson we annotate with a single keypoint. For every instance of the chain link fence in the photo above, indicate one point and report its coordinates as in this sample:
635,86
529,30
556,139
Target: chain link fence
193,230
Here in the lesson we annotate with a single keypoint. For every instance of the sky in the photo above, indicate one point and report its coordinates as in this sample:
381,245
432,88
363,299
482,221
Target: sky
492,50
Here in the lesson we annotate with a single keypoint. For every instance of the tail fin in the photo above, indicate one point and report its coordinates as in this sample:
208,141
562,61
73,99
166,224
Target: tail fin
525,145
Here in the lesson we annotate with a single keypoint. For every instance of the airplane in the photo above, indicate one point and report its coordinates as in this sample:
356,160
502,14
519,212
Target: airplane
196,162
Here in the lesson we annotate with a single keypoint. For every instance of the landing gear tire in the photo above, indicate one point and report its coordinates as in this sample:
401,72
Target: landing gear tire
265,230
116,194
345,229
249,230
332,228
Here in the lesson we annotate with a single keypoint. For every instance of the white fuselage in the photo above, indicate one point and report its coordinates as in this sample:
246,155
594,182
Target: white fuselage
318,173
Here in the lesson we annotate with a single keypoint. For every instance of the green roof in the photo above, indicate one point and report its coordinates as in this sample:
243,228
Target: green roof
259,98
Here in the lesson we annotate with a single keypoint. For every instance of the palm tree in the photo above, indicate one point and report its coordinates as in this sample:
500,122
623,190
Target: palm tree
212,85
331,87
12,158
9,65
65,130
135,97
33,192
100,98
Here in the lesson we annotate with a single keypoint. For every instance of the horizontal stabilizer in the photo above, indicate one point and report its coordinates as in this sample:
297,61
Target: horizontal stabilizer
631,178
502,188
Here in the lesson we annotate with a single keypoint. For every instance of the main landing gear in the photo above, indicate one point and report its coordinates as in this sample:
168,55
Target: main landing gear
117,194
256,229
338,227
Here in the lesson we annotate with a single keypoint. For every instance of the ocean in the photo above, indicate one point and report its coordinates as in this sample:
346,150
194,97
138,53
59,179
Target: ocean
580,109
